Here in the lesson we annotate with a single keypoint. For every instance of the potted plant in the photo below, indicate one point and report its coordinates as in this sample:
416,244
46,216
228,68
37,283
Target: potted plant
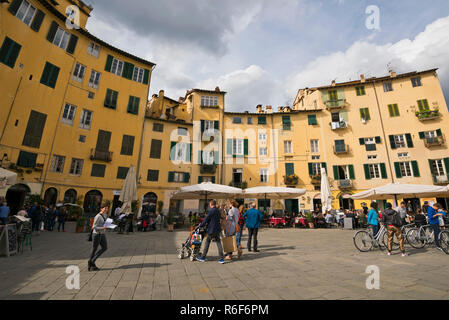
291,180
309,218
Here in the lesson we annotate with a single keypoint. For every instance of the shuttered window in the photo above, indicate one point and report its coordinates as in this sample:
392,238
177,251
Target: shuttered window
156,146
262,120
289,169
9,52
111,99
103,141
27,13
158,127
364,114
50,75
393,109
127,145
312,119
98,170
286,124
27,159
423,105
360,90
133,105
35,128
122,172
153,175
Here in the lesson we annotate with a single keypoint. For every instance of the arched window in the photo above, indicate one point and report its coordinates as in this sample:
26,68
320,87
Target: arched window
92,202
51,196
70,196
149,203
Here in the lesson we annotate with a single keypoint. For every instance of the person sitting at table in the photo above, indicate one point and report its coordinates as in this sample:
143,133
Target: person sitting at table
320,221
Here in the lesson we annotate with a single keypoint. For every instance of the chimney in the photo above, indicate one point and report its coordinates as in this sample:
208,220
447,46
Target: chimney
287,109
281,109
217,89
259,108
392,73
362,78
334,83
269,109
161,93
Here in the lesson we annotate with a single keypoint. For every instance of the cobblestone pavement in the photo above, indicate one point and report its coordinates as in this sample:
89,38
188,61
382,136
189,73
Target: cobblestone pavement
292,264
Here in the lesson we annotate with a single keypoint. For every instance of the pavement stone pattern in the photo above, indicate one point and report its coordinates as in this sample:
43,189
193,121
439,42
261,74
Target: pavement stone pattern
293,264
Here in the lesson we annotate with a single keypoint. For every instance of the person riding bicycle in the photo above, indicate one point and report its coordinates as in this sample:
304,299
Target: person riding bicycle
393,223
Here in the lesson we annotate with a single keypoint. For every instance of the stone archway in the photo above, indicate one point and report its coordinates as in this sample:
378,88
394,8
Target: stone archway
70,196
51,196
149,203
92,202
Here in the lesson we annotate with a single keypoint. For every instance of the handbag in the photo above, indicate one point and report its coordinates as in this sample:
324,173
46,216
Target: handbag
229,244
441,221
89,238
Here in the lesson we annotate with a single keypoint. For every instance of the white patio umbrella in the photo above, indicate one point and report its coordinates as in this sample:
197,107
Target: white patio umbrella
129,191
7,177
326,195
273,193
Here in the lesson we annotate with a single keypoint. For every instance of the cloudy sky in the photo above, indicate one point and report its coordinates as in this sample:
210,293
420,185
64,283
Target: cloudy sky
263,51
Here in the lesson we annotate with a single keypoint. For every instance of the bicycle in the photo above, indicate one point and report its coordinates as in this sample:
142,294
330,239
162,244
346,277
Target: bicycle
420,237
443,239
364,240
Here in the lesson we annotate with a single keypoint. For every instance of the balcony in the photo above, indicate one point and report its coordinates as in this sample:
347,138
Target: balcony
345,184
443,180
427,115
100,155
433,142
341,149
316,179
208,168
334,104
291,180
339,125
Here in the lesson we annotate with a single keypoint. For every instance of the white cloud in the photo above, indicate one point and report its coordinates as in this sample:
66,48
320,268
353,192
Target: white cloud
429,49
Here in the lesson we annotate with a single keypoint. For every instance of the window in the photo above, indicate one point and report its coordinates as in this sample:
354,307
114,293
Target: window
264,175
181,152
127,145
423,105
393,109
315,146
78,73
209,101
26,12
262,137
402,155
209,127
438,168
286,124
117,67
360,90
34,130
158,127
372,157
399,141
312,119
27,159
111,99
340,146
68,114
333,95
57,164
289,169
76,166
430,134
94,80
316,157
182,131
91,95
316,169
93,49
153,175
98,170
9,52
86,119
388,86
374,171
138,74
208,157
179,177
406,169
61,38
237,147
416,82
364,114
50,75
82,139
155,151
237,120
133,105
370,144
103,141
261,120
263,151
202,179
250,120
122,172
288,147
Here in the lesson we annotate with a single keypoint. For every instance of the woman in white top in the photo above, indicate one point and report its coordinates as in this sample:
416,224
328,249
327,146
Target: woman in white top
98,237
231,224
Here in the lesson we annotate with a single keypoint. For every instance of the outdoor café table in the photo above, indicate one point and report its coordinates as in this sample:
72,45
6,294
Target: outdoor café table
276,221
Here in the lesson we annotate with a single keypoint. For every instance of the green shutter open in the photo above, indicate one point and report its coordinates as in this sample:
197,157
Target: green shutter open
336,174
408,137
351,172
146,76
415,169
383,171
397,168
172,150
171,176
37,21
229,146
367,173
289,169
109,63
310,169
52,32
14,6
392,142
72,44
245,147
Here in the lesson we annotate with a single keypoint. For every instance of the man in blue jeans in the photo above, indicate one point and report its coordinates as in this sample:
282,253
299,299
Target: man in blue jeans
432,213
213,232
252,218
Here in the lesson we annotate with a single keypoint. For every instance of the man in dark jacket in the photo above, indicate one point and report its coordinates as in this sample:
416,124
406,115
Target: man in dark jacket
392,222
213,231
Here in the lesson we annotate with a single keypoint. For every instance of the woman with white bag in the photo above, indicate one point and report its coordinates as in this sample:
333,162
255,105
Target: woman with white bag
231,224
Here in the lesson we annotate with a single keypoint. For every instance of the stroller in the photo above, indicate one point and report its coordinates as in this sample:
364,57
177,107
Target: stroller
191,247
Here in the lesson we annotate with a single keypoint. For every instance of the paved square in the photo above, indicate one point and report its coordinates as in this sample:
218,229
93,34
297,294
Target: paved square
292,264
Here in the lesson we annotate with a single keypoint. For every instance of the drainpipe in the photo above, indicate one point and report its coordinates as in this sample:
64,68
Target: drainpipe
223,144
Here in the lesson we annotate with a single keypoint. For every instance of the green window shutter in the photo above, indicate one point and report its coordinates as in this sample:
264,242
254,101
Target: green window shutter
186,177
439,133
128,71
216,157
245,147
146,76
200,179
109,63
200,157
336,175
261,120
431,167
37,21
34,130
172,150
289,169
367,174
14,6
377,139
408,137
286,119
53,77
127,145
383,171
229,146
46,74
390,110
27,159
364,113
50,75
72,44
202,126
133,105
9,52
397,168
422,135
371,147
217,125
52,32
446,164
103,140
324,165
351,172
362,141
171,176
189,152
396,110
213,179
392,143
310,169
415,169
108,99
312,119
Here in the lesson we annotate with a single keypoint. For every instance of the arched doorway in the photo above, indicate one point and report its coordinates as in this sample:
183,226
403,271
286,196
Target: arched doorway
16,195
149,203
70,196
317,202
50,196
92,202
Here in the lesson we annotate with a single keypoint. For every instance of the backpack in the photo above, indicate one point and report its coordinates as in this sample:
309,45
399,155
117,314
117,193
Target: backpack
397,221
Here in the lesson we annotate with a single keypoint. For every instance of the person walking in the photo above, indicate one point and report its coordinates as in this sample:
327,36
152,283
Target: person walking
213,232
232,221
402,210
252,218
373,218
241,224
4,213
433,214
62,216
99,237
392,222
